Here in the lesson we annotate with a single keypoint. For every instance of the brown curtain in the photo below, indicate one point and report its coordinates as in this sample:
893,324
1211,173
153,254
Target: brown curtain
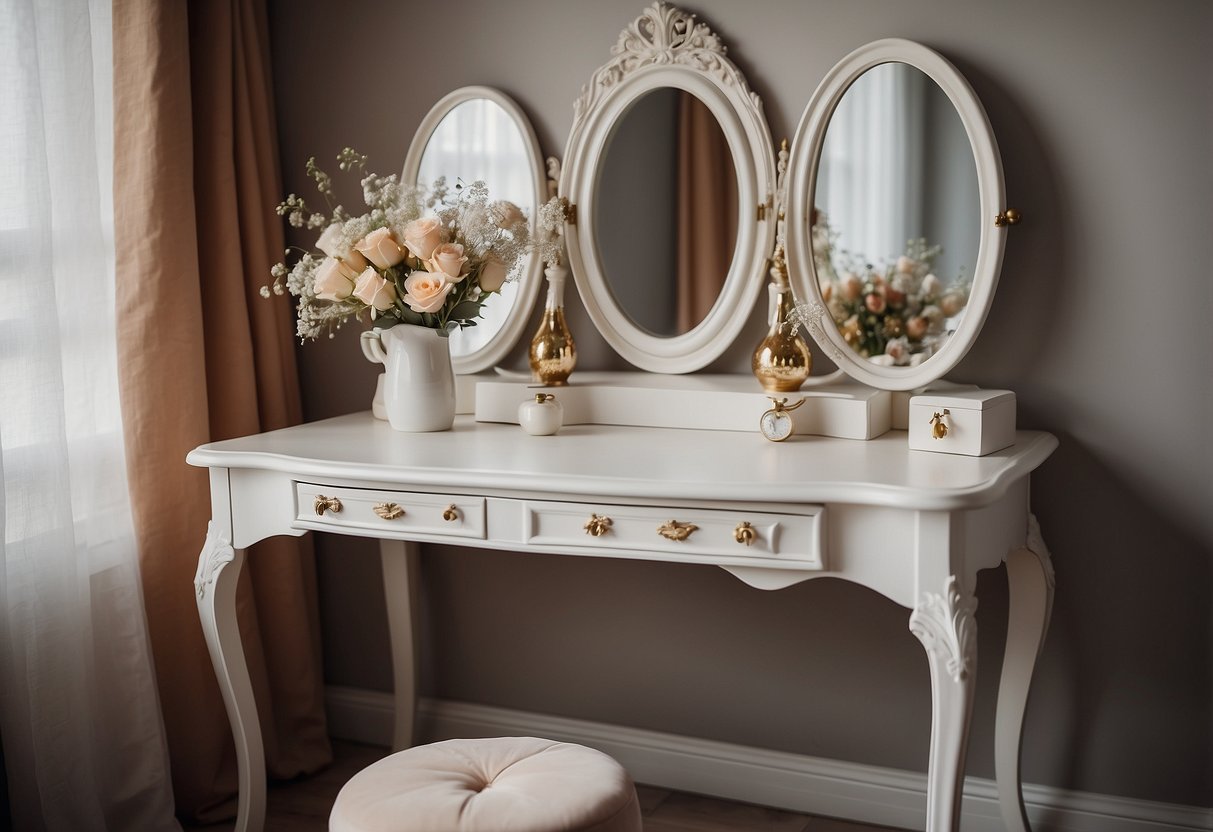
203,358
707,211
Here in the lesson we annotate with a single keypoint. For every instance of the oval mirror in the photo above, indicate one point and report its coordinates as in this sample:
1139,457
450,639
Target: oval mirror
894,185
665,212
670,168
480,134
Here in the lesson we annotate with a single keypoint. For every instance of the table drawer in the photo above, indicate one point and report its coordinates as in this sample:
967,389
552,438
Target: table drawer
388,512
718,535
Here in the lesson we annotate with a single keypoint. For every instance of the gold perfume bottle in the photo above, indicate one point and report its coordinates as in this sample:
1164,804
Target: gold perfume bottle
782,360
553,354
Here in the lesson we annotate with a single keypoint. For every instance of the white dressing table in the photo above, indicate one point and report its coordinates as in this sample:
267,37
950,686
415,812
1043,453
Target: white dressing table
915,527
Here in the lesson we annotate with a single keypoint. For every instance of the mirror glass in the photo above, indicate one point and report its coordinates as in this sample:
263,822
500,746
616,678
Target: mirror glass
666,211
478,140
896,216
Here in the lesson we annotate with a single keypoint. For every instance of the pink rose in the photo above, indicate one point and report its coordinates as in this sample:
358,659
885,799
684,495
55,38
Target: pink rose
874,303
852,286
422,236
447,259
334,280
493,273
426,292
330,244
916,327
374,291
381,248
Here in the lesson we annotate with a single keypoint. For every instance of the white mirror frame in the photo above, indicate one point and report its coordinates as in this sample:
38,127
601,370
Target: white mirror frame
802,170
495,351
665,47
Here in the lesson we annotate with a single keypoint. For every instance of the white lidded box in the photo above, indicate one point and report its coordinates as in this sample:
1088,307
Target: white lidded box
969,422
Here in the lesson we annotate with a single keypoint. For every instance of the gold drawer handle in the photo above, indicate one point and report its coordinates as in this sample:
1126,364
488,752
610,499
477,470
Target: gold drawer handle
388,511
451,514
673,530
939,425
745,533
598,526
333,504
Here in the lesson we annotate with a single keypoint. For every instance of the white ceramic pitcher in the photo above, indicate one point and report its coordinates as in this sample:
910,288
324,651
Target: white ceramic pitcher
419,384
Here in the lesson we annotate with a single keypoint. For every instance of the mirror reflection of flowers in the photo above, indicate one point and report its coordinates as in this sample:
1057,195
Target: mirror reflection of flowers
424,256
895,312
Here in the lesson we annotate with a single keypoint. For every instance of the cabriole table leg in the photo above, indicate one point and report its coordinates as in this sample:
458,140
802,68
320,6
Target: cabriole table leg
219,568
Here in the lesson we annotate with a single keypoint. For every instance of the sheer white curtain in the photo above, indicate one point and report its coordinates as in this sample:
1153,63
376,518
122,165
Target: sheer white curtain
80,721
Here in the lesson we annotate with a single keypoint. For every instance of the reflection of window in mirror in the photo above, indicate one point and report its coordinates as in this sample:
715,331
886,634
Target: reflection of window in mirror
897,165
479,141
667,211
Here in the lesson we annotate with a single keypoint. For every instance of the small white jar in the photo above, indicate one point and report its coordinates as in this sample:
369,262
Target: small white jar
542,415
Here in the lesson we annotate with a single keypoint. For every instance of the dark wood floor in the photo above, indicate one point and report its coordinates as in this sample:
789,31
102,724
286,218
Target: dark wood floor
303,805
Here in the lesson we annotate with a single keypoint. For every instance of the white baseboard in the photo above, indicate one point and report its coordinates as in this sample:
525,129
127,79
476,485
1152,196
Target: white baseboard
871,794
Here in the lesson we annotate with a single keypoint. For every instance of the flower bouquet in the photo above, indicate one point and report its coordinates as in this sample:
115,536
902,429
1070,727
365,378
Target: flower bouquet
429,257
420,262
893,313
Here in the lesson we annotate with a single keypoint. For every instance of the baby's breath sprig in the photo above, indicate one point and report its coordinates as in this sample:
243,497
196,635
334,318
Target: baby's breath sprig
295,210
348,159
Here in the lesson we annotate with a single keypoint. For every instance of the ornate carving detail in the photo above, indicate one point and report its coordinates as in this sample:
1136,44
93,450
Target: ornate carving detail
810,315
388,511
663,34
553,168
947,627
217,552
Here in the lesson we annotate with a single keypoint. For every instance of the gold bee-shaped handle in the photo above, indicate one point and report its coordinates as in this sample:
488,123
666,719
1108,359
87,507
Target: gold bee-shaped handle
745,533
322,503
388,511
598,525
451,514
673,530
939,425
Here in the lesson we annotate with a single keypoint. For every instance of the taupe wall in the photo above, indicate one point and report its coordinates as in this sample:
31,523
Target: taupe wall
1101,324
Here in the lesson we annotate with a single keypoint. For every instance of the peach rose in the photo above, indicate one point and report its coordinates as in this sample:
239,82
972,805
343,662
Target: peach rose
852,286
381,248
904,265
874,303
447,259
931,286
916,327
505,214
374,291
952,302
422,236
330,244
493,273
334,280
426,292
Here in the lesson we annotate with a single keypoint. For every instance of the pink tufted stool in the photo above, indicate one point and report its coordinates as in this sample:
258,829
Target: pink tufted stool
507,784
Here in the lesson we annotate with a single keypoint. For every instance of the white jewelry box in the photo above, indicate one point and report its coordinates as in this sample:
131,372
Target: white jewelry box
969,422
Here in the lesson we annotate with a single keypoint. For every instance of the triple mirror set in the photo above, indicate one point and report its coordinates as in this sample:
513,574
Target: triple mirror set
890,211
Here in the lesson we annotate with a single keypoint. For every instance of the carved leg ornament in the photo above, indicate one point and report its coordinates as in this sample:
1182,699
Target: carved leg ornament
219,568
1030,583
947,627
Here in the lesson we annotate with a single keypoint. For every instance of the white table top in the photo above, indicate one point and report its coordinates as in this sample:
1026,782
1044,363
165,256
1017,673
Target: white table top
648,463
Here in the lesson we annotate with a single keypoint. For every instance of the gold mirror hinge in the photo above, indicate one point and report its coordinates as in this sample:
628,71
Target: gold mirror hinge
745,533
1007,217
673,530
939,425
388,511
597,525
333,504
451,514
